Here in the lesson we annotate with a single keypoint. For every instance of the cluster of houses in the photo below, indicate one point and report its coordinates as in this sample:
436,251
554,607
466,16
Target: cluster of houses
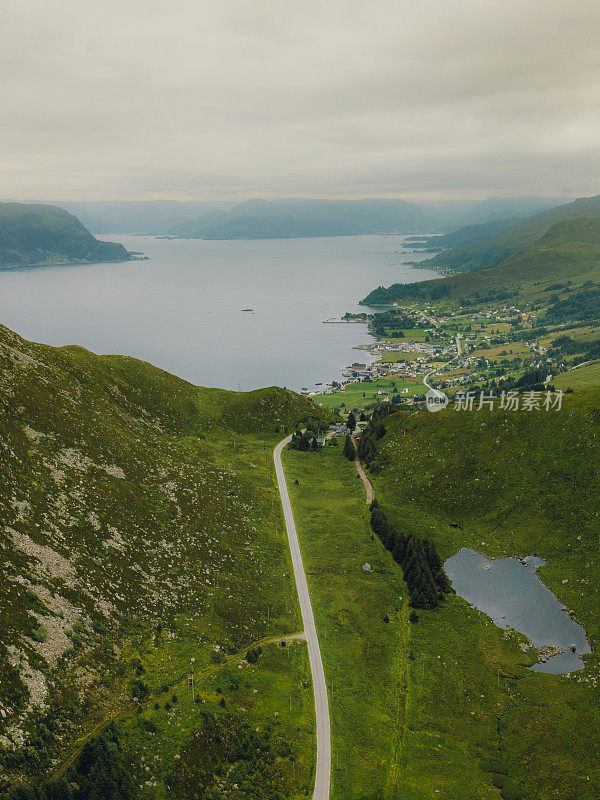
421,352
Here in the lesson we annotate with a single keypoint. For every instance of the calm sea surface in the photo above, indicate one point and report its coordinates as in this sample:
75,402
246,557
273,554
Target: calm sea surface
182,309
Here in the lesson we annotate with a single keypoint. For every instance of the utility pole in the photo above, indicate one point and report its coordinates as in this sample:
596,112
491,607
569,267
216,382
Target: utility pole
192,661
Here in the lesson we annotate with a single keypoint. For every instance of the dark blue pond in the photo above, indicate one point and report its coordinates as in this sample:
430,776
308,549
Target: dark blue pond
511,593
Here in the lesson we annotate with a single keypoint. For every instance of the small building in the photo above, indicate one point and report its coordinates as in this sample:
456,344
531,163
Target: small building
366,567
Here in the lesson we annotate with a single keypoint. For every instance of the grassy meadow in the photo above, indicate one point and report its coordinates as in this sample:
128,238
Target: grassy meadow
362,622
360,395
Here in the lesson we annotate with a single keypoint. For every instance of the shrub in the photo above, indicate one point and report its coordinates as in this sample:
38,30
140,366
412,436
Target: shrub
39,634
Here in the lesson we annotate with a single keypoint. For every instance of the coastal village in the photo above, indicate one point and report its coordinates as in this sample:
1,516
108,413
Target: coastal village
452,349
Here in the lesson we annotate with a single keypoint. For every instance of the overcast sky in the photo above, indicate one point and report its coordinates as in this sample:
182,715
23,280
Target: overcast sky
229,99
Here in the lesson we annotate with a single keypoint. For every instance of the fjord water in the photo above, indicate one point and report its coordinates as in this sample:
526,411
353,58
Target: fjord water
510,592
182,310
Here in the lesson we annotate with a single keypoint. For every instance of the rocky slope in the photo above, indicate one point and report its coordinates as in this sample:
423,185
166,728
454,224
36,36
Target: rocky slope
139,529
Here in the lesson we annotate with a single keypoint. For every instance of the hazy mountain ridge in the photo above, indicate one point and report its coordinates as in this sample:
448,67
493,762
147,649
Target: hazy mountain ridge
259,218
269,219
42,234
558,244
469,234
144,217
489,252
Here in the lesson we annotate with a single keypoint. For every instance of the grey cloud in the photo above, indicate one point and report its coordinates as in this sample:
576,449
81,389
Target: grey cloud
233,99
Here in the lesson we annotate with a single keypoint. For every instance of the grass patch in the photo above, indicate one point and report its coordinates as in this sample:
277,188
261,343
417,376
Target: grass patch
363,394
362,622
142,529
583,377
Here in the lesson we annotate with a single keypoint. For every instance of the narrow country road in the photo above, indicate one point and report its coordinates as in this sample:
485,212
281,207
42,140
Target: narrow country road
458,355
323,767
369,491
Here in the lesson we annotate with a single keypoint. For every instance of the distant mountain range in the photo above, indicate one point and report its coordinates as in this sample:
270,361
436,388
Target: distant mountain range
491,209
268,219
39,234
45,234
144,217
282,219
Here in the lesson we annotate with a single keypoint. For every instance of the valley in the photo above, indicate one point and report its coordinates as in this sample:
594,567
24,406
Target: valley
153,643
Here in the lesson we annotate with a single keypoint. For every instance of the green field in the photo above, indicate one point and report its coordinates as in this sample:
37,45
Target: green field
410,335
579,378
361,622
360,395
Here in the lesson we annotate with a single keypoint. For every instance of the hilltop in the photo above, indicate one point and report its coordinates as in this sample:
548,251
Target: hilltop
141,529
31,235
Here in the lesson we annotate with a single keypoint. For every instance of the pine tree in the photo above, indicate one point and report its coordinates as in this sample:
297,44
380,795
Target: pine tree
349,450
443,582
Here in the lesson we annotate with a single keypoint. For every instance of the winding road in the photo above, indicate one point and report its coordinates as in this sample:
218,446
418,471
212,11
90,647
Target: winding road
323,767
458,355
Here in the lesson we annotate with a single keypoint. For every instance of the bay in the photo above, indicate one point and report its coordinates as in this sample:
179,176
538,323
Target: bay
182,309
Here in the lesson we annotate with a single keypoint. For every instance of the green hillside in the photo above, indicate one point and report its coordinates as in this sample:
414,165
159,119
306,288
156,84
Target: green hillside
491,251
478,723
141,529
469,234
41,234
568,251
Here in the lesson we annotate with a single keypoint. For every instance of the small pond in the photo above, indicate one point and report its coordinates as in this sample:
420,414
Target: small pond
511,593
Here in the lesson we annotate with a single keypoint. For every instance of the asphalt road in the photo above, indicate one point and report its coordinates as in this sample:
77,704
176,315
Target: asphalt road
458,355
323,766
